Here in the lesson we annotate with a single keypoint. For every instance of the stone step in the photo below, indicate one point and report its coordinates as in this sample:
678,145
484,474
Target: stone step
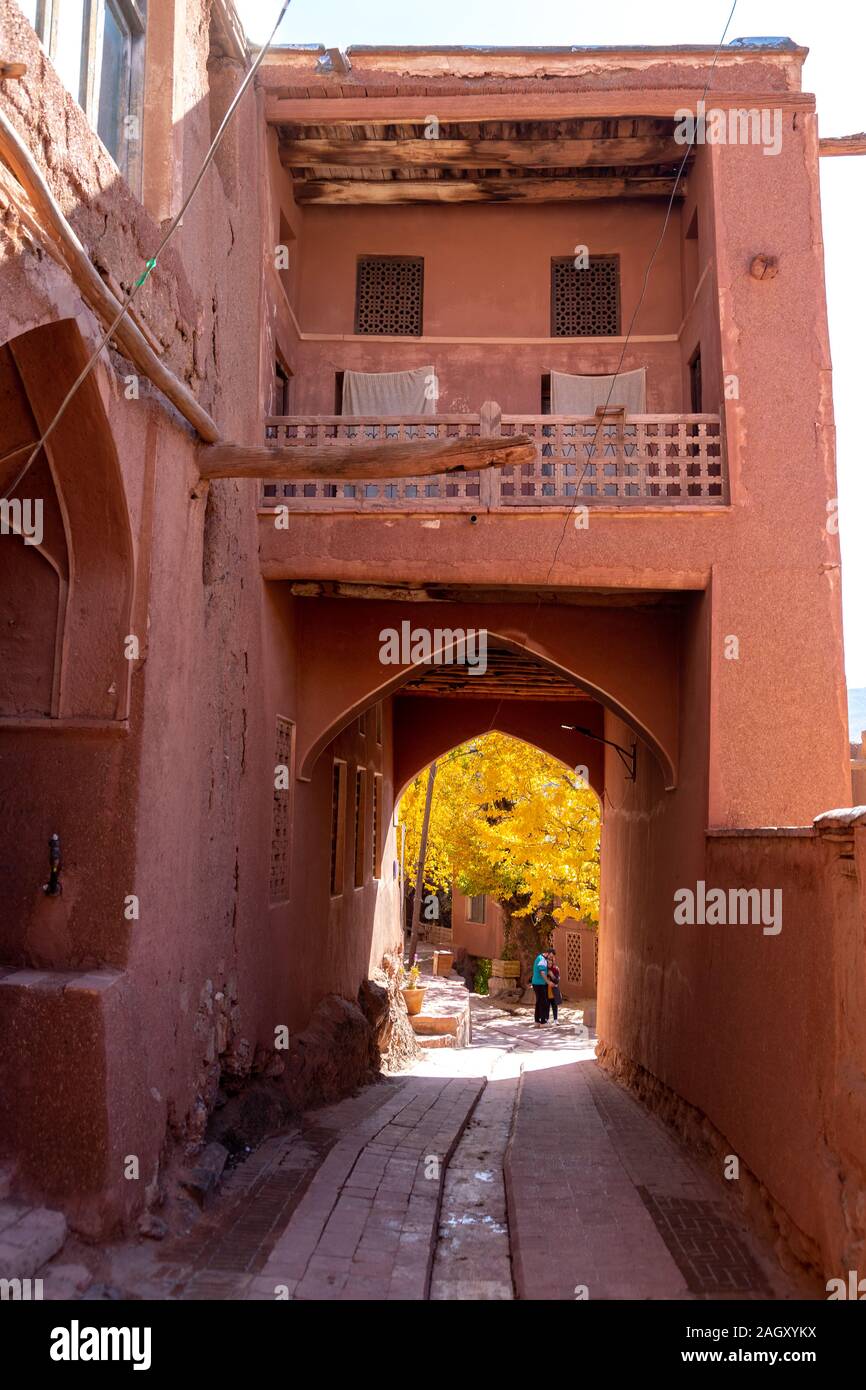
436,1040
435,1023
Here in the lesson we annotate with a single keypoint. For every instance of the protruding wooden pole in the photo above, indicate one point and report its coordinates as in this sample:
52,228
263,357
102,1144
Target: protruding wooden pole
388,458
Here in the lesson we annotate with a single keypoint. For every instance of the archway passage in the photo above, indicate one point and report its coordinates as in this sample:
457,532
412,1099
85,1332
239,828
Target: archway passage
624,657
509,869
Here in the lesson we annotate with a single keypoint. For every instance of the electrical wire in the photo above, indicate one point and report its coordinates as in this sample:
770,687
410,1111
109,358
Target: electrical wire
150,265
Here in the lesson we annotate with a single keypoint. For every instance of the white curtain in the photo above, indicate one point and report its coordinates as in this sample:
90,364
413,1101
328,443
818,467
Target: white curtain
580,395
390,393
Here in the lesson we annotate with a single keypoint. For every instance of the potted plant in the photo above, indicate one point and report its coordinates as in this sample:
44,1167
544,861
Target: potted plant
413,991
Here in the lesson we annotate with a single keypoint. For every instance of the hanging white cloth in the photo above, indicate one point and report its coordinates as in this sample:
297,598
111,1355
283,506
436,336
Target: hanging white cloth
380,394
580,395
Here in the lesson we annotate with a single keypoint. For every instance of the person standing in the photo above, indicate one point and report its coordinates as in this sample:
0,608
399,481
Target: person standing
539,984
554,993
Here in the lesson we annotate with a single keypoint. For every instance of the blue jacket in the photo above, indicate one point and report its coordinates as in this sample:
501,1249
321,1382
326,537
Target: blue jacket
539,970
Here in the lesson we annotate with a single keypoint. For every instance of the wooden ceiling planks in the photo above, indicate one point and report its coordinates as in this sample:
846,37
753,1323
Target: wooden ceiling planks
508,676
551,160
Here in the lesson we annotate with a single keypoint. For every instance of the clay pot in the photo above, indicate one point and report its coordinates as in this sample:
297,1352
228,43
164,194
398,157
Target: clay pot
414,998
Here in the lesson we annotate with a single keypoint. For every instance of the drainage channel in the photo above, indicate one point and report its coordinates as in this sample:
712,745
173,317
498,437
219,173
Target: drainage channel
473,1253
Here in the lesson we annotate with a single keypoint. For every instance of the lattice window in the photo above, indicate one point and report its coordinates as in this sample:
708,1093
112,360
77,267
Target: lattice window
584,303
281,824
360,824
338,826
377,822
573,963
389,298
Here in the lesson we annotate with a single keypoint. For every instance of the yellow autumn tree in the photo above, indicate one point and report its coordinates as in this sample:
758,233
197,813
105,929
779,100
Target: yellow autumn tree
512,822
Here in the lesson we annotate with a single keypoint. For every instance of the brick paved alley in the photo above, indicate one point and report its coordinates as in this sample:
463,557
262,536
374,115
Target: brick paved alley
514,1168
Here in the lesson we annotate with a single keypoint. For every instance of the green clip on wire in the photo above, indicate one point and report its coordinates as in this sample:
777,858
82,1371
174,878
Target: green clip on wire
149,266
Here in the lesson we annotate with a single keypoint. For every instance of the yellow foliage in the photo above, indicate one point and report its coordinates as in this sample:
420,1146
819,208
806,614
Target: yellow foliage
508,819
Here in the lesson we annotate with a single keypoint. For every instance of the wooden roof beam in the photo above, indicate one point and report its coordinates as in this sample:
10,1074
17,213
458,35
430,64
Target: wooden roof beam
481,154
518,106
842,144
514,190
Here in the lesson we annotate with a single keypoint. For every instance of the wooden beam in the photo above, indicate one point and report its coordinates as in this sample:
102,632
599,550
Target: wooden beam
395,191
481,154
397,458
519,106
842,144
39,208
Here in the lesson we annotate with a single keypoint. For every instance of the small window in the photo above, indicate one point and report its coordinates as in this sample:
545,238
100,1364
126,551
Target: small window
389,296
338,826
281,825
360,824
339,378
377,823
362,724
545,393
584,303
476,908
573,958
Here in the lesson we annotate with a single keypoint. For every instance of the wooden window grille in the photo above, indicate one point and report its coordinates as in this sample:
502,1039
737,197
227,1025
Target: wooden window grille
281,823
573,962
338,826
360,824
377,824
584,303
389,296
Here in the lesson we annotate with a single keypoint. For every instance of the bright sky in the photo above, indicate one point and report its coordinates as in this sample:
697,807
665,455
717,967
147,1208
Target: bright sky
834,31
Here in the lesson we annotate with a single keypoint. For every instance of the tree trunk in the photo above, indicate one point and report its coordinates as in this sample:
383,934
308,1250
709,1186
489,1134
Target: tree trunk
419,876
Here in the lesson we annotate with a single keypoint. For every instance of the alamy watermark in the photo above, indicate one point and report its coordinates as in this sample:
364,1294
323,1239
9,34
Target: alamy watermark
738,126
438,646
22,517
735,907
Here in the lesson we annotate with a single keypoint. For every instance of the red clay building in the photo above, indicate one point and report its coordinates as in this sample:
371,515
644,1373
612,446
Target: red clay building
666,578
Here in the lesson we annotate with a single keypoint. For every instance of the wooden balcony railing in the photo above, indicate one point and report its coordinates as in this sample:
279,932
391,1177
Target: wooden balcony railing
640,461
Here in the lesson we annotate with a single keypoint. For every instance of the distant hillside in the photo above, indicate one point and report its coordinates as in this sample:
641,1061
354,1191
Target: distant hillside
856,713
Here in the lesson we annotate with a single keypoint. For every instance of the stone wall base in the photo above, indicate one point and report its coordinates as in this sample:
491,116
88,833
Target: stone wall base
796,1252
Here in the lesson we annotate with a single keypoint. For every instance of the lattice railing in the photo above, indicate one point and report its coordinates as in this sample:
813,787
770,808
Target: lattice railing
453,491
643,459
639,460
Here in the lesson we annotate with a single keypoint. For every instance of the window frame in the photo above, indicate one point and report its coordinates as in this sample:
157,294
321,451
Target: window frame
360,262
378,794
555,261
339,778
360,826
132,18
472,898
